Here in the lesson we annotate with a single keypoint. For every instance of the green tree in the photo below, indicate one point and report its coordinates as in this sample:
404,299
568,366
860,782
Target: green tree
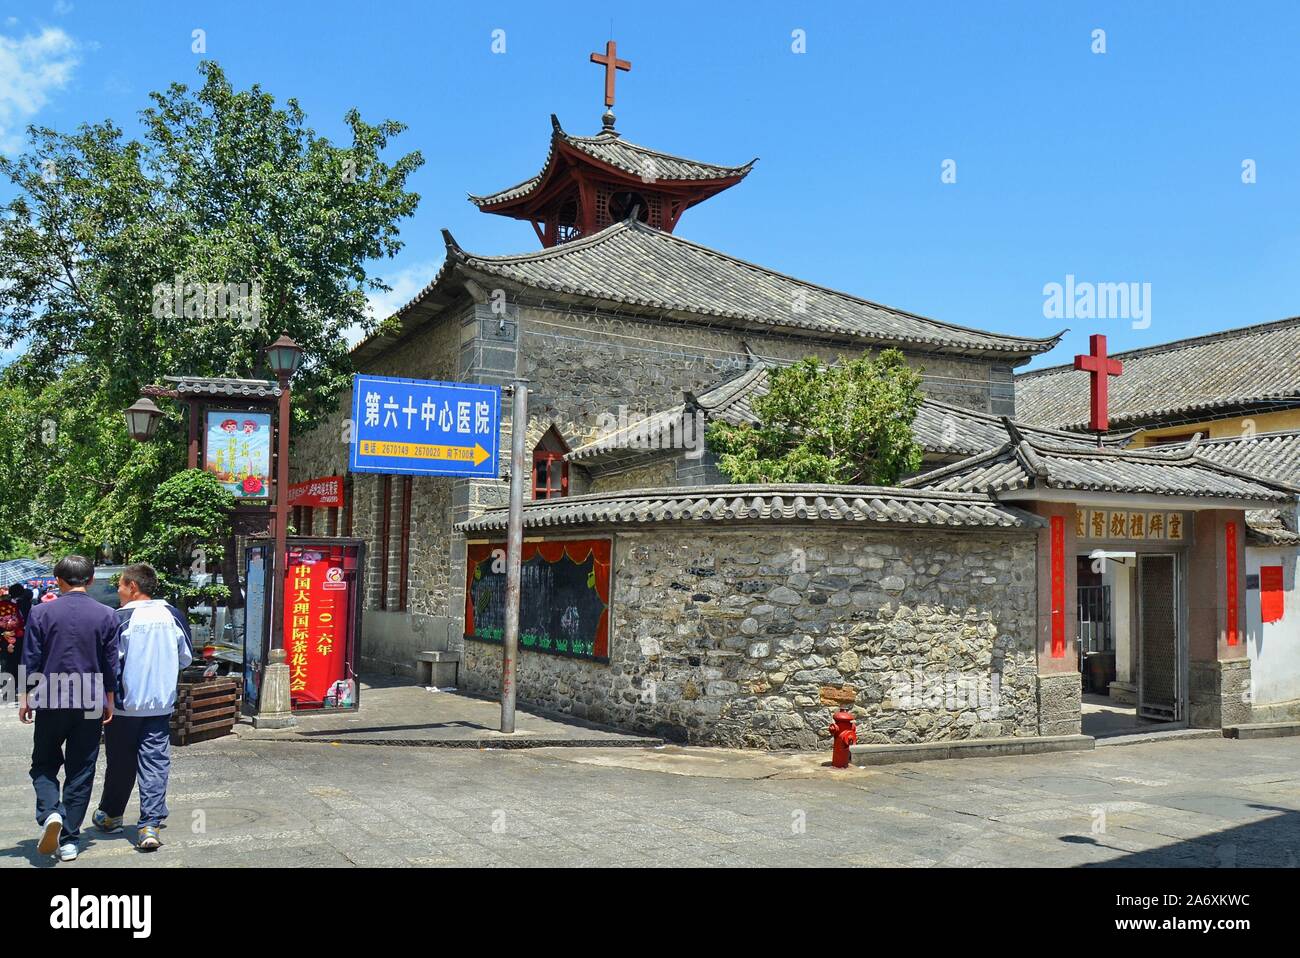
850,422
222,186
190,522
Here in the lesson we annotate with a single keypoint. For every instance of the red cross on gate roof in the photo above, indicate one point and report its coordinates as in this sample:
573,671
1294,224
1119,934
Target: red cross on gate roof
1101,367
612,62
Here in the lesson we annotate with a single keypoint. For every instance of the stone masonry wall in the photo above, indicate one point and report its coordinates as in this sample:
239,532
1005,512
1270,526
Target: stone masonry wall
754,636
583,365
580,366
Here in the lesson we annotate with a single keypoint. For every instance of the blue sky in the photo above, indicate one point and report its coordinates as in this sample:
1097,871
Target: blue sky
1122,166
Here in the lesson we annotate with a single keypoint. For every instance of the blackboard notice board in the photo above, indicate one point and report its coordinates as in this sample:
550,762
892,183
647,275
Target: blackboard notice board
563,603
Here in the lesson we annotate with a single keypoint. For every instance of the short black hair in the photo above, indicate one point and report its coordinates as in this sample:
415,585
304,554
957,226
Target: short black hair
75,570
144,577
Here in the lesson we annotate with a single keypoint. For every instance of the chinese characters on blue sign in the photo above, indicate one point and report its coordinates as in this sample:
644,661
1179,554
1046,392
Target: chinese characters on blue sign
424,428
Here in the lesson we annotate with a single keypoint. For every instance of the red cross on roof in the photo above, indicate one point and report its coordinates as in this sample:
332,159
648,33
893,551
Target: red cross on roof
1101,367
611,63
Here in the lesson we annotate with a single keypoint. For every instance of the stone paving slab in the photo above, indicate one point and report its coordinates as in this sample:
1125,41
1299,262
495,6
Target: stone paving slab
311,804
415,716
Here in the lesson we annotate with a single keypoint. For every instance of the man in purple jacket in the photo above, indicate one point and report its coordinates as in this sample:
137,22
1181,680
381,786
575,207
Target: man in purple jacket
70,659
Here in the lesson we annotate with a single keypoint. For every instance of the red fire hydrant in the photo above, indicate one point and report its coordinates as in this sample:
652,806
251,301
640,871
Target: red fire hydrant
844,732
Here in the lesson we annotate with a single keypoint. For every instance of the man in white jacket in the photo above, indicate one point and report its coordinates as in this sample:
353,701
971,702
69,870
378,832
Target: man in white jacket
153,646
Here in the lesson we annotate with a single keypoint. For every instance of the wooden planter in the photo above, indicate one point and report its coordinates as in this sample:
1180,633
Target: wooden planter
206,709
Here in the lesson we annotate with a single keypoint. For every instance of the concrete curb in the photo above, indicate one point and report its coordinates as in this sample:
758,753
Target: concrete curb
1262,730
967,748
1145,738
502,743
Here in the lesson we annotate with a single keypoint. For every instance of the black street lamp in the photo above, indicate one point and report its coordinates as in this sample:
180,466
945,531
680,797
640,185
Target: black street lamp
284,355
142,419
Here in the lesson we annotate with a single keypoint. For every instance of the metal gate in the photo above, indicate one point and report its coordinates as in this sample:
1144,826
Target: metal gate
1095,631
1160,660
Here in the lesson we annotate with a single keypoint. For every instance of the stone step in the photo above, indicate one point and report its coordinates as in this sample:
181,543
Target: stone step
1262,730
967,748
1159,735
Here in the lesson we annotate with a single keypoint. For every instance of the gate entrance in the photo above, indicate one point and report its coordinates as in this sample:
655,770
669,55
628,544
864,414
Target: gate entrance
1132,642
1160,658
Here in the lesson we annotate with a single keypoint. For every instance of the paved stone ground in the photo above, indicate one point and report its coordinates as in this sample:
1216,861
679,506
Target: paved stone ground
394,713
241,802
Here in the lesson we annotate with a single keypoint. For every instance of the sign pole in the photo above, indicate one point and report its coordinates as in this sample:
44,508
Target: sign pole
520,468
275,708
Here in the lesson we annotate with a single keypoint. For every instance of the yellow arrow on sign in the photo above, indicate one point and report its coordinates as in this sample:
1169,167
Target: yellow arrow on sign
414,450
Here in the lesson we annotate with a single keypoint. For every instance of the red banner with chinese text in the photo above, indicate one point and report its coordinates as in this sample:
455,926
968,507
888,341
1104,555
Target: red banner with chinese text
1058,586
322,493
316,624
1230,563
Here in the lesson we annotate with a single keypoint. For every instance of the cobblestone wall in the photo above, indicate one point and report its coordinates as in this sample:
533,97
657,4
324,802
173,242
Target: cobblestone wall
754,636
584,365
581,366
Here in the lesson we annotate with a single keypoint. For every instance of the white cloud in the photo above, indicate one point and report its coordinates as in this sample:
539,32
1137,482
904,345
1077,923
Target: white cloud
31,68
406,283
62,7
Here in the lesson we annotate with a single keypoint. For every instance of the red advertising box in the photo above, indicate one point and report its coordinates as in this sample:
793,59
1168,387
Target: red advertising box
321,619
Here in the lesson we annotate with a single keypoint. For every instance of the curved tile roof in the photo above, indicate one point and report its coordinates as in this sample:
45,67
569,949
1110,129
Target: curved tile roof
219,386
1025,463
632,264
610,148
775,502
1274,455
941,429
1251,366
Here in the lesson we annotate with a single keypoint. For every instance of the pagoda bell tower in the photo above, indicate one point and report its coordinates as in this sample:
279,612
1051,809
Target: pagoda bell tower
591,182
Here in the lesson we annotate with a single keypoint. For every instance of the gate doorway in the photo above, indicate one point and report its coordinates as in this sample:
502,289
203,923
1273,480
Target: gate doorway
1160,654
1132,656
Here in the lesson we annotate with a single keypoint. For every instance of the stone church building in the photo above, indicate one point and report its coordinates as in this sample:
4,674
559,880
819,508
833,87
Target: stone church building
746,615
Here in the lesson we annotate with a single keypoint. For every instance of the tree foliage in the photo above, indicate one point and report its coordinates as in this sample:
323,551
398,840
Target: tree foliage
850,422
189,523
222,186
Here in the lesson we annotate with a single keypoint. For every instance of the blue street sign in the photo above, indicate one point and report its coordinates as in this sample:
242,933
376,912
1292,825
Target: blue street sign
424,428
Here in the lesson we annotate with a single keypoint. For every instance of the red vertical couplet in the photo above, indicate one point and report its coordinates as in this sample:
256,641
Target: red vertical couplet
1230,564
1058,587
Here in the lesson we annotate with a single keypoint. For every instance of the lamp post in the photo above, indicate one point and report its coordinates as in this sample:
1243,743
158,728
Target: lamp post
283,355
142,419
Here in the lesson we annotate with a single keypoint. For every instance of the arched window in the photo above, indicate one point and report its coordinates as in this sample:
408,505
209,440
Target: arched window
550,471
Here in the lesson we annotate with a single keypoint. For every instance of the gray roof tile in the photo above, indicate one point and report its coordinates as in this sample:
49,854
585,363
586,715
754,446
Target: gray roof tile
635,265
610,148
940,428
1029,463
1274,455
1240,368
869,505
218,386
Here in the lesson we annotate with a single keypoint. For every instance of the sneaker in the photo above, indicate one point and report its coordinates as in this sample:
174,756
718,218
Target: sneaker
68,852
105,823
148,839
49,842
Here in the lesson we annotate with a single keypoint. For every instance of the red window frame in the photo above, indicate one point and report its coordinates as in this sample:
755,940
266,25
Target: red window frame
542,459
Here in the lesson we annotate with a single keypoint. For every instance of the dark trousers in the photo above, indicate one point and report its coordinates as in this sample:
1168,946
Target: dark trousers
67,739
139,750
9,661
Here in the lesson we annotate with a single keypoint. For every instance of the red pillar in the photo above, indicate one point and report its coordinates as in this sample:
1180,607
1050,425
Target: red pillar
1059,688
1218,666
